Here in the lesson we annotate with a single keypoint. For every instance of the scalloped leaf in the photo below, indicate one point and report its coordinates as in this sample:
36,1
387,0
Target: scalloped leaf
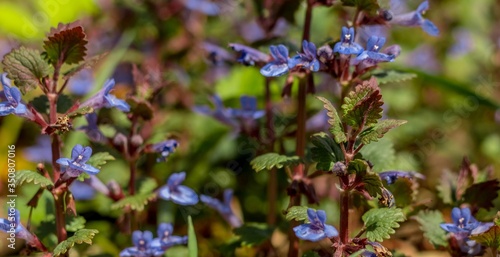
99,159
74,224
334,121
372,184
380,223
66,44
482,195
134,202
192,242
253,233
298,213
25,67
269,161
363,106
147,186
81,236
377,131
28,176
325,151
429,221
390,76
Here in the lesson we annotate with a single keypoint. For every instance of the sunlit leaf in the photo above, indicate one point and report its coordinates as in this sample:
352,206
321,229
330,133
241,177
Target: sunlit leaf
66,44
429,223
273,160
81,236
28,176
380,223
334,121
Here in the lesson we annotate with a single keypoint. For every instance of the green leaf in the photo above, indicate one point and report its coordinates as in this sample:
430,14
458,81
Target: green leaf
81,236
381,154
372,184
373,133
325,151
363,106
365,5
298,213
99,159
75,223
28,176
25,67
252,234
147,185
65,44
192,243
447,186
429,221
390,76
269,161
134,202
490,238
380,223
482,195
89,63
334,121
357,166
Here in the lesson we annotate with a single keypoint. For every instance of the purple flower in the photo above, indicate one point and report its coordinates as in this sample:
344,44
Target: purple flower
346,44
13,105
177,193
13,225
77,164
248,109
103,98
92,130
316,229
224,208
248,55
415,18
307,60
371,56
165,238
142,246
391,176
279,65
165,149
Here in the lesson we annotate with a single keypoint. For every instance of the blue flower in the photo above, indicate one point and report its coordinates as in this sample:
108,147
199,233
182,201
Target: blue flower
165,149
177,193
224,208
372,55
307,60
165,238
346,44
415,18
92,130
13,225
142,246
391,176
279,65
13,105
77,164
464,224
316,229
248,109
248,55
103,98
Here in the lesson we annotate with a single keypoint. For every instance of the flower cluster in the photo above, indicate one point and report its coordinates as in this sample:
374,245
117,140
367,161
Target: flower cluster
147,246
464,225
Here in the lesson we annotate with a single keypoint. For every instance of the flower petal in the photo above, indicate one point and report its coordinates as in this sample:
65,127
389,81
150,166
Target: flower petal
273,69
184,195
306,232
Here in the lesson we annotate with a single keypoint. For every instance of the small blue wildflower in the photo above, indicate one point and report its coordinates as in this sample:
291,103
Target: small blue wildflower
103,98
346,45
391,176
77,164
316,229
165,149
248,109
165,238
415,18
177,193
92,130
279,65
13,225
372,55
464,224
13,105
307,60
224,208
249,56
142,246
